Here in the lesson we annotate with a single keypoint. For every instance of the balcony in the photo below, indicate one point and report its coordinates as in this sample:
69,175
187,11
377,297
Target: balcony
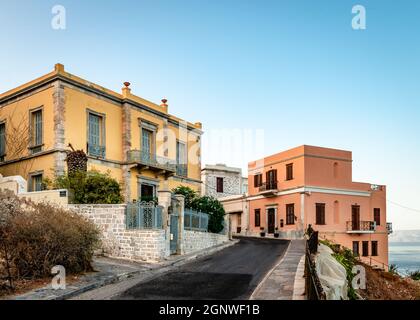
268,189
389,227
147,161
361,227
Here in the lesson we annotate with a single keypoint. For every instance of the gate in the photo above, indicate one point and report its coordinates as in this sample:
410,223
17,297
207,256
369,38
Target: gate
174,233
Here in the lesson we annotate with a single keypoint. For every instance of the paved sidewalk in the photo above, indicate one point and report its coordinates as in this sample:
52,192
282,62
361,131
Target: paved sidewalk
280,282
111,271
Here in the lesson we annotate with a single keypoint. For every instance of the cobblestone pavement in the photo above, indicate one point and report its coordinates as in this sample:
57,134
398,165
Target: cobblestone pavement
279,284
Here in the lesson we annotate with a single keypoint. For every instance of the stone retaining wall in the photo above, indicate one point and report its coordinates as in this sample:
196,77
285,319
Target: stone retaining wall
196,240
117,241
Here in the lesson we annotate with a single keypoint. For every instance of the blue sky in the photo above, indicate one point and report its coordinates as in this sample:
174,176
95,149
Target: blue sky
293,68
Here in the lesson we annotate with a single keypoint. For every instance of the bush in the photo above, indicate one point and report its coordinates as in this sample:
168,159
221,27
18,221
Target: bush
415,275
36,237
90,187
206,204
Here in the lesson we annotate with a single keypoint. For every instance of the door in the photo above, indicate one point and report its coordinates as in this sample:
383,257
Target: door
271,220
147,145
147,192
174,233
355,217
271,178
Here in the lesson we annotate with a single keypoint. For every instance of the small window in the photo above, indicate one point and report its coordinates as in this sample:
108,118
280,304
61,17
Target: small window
2,141
356,248
374,248
377,216
258,180
320,213
257,217
36,131
289,171
365,248
219,185
96,139
36,182
290,213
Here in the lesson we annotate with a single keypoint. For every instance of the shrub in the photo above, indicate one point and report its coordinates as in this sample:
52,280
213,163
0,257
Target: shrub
36,237
415,275
90,187
207,204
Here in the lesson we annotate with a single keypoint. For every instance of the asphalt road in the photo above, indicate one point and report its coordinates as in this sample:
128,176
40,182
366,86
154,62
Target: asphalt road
232,273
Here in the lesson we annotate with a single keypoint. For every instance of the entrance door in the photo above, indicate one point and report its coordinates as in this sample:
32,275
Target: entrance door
355,217
147,192
271,220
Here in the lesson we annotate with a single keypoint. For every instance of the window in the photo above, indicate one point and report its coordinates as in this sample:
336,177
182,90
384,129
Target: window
219,185
271,179
356,248
96,139
36,131
289,171
257,217
147,141
377,216
290,213
320,213
35,181
2,141
365,248
374,248
181,159
258,180
147,192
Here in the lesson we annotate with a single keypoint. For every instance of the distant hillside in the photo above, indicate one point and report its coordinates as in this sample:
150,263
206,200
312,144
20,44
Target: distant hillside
405,236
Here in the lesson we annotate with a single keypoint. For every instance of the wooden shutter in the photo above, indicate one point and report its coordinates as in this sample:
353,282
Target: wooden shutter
377,216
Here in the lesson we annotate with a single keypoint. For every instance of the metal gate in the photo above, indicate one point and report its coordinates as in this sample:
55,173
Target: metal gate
174,233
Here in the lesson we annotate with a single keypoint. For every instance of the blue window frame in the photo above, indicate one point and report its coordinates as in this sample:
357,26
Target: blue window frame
96,135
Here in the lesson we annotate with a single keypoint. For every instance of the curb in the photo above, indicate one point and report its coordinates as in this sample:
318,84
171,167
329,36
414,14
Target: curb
270,272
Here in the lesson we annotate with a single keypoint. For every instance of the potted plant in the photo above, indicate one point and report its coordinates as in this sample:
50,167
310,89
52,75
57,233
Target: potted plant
262,233
276,233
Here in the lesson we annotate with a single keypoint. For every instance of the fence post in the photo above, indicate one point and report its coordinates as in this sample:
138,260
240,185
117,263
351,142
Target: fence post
164,200
181,203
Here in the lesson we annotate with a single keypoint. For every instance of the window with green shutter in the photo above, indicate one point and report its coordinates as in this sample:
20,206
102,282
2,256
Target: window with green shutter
36,131
96,141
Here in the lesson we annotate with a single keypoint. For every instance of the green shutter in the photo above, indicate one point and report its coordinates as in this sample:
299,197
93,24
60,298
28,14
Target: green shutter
2,139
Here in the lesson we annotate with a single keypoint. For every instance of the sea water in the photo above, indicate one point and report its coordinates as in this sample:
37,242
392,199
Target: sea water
405,255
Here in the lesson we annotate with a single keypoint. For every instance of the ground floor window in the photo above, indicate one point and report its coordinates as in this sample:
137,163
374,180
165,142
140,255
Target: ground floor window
356,248
320,213
374,248
365,248
35,182
147,192
290,213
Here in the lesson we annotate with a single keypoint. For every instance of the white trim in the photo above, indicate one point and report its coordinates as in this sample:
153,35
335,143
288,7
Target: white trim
345,192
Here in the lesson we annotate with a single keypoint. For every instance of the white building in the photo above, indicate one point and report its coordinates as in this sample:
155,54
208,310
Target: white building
221,181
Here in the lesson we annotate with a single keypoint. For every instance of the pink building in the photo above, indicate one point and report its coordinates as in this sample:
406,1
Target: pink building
313,185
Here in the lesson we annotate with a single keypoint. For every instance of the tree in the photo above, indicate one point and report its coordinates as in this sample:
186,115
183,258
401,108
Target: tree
91,187
206,204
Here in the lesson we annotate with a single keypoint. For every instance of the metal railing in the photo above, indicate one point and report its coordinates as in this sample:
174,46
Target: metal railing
361,226
96,150
389,227
270,185
151,160
196,221
313,287
182,170
143,215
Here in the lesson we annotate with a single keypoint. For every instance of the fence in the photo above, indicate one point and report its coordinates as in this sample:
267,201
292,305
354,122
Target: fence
196,221
143,215
313,287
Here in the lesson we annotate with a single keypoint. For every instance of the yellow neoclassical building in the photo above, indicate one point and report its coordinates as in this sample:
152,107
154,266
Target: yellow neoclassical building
144,147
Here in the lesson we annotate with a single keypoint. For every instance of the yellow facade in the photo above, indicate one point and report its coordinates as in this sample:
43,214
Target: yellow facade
142,146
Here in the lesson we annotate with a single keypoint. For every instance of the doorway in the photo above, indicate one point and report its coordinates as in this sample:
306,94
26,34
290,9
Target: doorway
147,192
271,220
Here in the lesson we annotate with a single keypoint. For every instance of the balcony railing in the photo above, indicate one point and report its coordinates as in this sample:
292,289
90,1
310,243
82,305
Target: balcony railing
96,150
361,226
270,185
389,227
182,170
151,160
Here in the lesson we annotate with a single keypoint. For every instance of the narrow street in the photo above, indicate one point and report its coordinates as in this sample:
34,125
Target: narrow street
232,273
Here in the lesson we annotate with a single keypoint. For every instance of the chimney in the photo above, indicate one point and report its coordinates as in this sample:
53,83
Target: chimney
126,91
164,105
59,67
